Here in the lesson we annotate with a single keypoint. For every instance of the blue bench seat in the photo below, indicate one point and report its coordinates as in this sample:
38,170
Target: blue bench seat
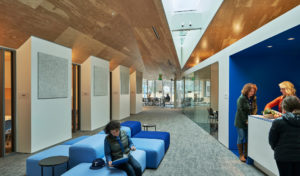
154,149
165,136
32,162
87,150
83,169
75,140
135,126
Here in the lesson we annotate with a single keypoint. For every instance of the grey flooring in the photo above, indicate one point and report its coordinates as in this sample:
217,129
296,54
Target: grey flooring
192,150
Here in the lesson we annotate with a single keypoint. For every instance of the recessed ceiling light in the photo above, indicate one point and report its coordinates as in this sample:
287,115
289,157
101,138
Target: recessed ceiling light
270,46
291,38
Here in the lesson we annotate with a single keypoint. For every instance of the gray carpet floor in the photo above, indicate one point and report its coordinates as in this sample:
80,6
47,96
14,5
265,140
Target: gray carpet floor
192,150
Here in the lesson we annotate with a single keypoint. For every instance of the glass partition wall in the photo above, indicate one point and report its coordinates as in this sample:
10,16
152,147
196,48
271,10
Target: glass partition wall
154,92
76,97
199,104
8,99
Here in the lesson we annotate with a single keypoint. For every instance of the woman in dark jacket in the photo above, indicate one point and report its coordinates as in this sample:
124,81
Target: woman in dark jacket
116,144
284,138
246,105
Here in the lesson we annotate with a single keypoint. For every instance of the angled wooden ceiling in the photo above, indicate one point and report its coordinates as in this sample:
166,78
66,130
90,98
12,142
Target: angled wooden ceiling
234,20
119,31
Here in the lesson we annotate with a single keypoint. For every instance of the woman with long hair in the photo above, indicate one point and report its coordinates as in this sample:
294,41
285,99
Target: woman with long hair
246,105
287,89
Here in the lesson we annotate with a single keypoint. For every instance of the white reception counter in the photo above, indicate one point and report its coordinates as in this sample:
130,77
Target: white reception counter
258,143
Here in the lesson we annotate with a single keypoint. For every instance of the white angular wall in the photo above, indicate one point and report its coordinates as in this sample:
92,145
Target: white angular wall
95,110
40,122
120,102
136,104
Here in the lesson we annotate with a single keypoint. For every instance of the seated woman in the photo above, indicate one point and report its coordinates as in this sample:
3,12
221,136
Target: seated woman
287,89
116,144
284,137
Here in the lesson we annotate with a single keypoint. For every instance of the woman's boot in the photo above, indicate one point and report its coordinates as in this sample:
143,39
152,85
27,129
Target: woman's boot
240,148
246,150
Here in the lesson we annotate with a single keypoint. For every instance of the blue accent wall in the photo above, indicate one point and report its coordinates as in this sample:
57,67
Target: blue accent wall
265,67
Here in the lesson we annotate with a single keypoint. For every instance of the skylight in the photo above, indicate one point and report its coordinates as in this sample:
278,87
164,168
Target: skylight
188,20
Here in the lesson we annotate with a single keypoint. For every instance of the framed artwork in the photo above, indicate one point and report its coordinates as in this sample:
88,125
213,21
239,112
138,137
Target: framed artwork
100,81
52,76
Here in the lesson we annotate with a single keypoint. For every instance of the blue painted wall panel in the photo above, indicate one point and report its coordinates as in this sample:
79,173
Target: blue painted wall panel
266,73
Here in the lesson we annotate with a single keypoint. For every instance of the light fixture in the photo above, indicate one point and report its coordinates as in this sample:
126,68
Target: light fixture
291,38
270,46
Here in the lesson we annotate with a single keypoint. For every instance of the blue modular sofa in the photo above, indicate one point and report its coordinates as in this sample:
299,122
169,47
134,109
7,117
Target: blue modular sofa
136,132
83,169
32,162
87,150
154,148
165,136
135,126
74,141
83,150
92,147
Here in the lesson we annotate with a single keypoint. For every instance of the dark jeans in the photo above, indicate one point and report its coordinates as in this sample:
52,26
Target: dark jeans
242,136
132,167
288,168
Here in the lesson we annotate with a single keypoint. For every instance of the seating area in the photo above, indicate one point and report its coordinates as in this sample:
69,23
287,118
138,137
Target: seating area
136,132
84,168
151,147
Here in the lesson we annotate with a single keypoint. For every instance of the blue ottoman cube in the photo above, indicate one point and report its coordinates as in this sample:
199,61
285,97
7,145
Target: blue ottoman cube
135,126
75,140
165,136
84,168
87,150
32,162
154,148
124,128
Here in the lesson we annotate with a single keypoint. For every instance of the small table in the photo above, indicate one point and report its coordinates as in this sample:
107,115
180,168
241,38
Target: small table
146,126
53,161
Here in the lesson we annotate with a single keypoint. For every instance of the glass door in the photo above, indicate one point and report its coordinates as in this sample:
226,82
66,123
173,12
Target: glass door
7,100
76,78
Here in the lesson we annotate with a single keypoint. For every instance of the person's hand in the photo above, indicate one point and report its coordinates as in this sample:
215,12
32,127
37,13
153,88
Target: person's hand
110,164
133,148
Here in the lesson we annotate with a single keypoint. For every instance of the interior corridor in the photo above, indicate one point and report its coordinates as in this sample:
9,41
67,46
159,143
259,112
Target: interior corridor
192,150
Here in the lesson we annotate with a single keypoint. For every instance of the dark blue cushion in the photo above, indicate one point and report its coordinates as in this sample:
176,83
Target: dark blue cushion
165,136
75,140
135,126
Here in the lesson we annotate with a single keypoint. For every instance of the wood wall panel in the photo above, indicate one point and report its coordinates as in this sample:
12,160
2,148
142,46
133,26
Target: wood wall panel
105,29
121,31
